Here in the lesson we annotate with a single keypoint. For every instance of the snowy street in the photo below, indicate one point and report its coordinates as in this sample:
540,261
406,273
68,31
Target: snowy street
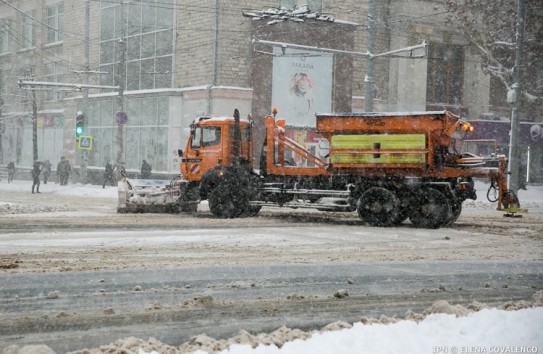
71,266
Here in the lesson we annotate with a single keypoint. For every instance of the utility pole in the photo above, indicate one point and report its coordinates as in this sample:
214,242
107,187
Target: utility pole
34,121
34,126
86,54
214,59
85,103
514,150
121,77
368,81
2,123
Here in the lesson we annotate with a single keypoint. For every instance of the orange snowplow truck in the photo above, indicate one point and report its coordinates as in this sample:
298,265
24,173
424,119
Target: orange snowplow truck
387,167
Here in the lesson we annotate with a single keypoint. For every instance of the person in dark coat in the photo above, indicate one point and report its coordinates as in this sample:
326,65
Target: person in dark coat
145,170
46,171
11,171
36,170
63,171
109,175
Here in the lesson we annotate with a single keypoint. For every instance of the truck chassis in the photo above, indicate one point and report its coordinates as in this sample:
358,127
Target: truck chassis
387,167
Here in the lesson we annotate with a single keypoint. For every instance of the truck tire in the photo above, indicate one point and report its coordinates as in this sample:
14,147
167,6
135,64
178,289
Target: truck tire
252,210
378,207
224,203
403,209
430,209
188,208
456,210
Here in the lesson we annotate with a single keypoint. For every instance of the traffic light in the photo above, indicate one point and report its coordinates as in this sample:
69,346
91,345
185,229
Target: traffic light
79,124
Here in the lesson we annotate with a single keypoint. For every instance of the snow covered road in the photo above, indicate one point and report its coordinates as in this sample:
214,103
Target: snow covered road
73,267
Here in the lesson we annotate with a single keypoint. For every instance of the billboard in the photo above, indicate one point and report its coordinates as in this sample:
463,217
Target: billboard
302,85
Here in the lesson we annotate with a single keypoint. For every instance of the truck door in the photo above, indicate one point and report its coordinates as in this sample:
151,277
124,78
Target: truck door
203,152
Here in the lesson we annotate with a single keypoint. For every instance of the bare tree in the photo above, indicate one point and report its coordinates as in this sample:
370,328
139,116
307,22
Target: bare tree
489,25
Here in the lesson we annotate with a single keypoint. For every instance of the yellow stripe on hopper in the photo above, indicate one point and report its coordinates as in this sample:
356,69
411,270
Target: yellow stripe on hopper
384,142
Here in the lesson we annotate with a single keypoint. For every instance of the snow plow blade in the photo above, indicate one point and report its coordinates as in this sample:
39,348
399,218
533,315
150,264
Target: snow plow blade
152,196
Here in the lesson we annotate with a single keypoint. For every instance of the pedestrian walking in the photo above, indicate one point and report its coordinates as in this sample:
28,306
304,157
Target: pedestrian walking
63,171
11,171
36,170
46,169
109,175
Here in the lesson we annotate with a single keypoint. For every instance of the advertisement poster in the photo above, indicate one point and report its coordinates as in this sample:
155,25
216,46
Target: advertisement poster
302,86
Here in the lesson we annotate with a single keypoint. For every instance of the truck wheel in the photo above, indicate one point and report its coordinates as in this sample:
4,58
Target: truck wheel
456,210
430,209
378,207
188,208
252,210
224,204
403,209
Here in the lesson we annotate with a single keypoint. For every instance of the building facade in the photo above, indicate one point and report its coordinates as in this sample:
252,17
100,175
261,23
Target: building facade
174,60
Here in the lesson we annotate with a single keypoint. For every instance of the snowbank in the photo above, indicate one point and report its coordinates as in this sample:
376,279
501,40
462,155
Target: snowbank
53,189
441,328
487,331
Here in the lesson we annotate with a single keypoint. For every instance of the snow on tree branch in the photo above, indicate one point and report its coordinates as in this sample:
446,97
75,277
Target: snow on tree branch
490,27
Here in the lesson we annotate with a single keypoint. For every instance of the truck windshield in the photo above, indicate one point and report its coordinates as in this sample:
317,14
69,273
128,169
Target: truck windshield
206,136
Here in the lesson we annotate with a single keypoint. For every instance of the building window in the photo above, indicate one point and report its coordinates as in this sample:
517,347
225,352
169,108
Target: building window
313,5
445,74
148,44
498,92
29,30
5,38
55,23
3,82
54,72
288,4
146,132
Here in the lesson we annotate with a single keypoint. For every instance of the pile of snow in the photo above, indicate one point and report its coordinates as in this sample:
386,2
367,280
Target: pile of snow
442,328
486,331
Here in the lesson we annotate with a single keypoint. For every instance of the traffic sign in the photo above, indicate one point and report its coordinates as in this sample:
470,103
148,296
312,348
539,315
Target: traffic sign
121,118
85,143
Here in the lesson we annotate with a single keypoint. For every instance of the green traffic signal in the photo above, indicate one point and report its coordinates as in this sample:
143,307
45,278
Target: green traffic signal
79,130
79,124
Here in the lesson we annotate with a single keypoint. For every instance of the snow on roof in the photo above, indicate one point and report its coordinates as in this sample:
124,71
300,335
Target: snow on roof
299,14
379,114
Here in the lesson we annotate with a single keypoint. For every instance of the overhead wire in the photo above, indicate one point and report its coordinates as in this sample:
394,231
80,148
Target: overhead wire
383,38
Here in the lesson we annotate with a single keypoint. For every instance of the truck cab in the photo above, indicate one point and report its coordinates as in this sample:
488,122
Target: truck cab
212,143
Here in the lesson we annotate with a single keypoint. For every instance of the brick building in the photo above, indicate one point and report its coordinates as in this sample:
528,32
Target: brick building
183,59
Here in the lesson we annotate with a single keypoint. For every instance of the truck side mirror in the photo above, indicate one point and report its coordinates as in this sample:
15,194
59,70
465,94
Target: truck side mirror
180,152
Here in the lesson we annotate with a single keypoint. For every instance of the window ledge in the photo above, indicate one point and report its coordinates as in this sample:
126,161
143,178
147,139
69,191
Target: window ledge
54,44
22,50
